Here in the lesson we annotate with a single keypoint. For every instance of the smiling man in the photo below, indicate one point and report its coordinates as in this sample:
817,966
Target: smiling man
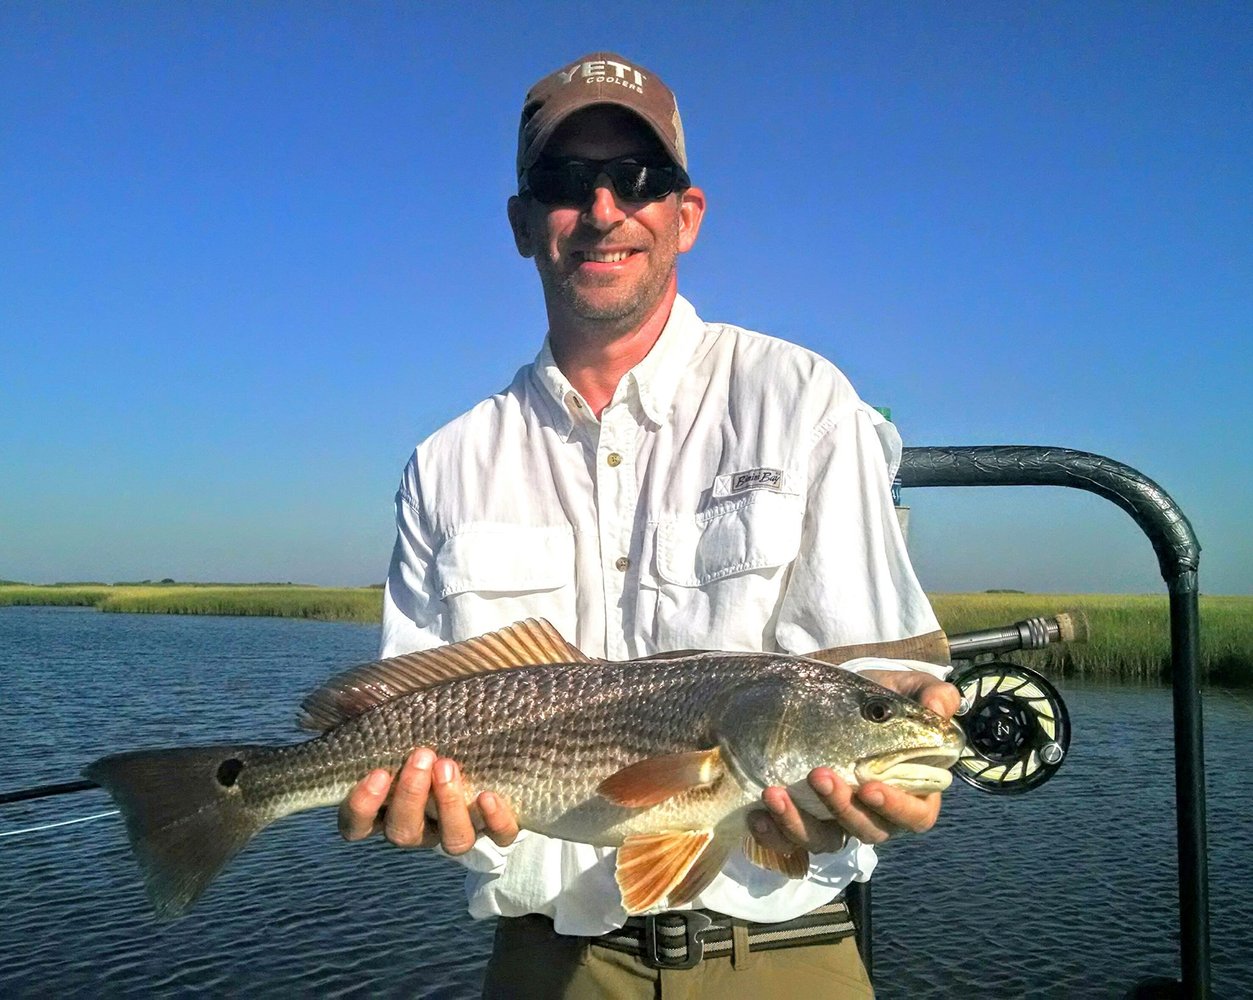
650,482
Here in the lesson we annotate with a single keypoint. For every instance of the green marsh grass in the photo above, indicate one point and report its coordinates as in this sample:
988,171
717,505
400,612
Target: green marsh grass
357,604
1129,633
1130,637
58,595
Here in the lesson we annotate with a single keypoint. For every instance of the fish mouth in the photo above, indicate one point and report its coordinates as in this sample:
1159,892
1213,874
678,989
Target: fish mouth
920,769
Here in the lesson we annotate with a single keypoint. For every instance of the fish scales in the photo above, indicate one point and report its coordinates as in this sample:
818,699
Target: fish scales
661,757
569,725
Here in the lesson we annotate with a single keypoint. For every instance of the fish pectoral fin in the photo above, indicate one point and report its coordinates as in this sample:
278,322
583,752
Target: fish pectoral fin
794,864
651,865
655,779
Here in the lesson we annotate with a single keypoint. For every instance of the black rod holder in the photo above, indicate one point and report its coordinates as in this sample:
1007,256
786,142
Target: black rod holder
1178,556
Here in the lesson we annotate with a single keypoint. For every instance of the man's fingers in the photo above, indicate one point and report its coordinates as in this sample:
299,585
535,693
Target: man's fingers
851,813
405,824
799,829
898,809
358,813
942,698
456,828
499,823
768,834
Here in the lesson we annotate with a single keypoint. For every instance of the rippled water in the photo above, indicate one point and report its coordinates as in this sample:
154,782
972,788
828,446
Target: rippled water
1067,892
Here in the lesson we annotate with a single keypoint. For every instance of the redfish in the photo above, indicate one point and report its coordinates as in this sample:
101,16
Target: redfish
661,757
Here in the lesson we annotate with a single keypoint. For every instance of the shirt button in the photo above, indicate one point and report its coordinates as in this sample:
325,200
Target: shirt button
576,402
623,564
614,459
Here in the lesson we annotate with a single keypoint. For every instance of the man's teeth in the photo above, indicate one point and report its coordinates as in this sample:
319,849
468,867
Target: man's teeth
606,258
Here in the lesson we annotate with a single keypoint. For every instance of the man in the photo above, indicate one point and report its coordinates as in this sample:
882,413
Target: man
650,483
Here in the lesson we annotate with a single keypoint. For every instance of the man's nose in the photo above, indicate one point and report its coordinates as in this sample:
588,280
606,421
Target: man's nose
604,212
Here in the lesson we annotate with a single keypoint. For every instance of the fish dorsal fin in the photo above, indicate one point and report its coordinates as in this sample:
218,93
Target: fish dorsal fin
363,687
650,865
655,779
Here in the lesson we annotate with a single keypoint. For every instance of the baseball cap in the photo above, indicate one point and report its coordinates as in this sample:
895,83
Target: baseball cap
598,78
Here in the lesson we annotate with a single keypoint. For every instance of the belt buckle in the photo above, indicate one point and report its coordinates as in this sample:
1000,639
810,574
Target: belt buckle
695,924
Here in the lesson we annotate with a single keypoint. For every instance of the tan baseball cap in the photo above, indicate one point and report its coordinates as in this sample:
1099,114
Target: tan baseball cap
598,78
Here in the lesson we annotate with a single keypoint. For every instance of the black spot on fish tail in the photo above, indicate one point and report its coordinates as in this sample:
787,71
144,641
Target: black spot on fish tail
229,770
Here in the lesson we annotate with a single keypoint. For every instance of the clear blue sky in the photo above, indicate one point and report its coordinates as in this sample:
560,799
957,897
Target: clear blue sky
251,253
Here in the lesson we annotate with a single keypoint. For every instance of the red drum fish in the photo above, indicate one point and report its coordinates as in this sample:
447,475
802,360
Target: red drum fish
661,757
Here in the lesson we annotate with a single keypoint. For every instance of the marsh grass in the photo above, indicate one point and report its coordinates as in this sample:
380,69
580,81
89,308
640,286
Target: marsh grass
357,604
58,595
1130,634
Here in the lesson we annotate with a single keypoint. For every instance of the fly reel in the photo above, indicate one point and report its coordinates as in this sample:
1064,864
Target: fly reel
1016,725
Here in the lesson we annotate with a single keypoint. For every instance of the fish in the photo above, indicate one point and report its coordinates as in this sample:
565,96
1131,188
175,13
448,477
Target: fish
661,757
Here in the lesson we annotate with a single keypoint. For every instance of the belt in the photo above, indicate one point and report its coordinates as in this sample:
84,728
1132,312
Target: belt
680,939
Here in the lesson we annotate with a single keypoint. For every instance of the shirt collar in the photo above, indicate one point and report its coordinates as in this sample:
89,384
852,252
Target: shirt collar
654,380
566,399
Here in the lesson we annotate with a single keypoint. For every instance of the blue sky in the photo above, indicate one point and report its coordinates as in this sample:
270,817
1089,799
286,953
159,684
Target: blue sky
250,254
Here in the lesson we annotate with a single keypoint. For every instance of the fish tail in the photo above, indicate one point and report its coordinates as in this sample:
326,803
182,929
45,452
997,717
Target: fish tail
185,814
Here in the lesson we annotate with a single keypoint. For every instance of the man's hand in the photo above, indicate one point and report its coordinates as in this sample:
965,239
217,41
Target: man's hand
872,813
398,807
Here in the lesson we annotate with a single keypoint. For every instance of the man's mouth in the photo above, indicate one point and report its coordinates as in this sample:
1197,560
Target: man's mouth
603,257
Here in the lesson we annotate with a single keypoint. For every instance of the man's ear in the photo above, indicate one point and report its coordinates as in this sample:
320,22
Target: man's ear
521,226
691,212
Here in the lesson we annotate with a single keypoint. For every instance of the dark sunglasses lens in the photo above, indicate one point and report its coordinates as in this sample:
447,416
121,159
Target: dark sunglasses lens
641,182
571,182
559,183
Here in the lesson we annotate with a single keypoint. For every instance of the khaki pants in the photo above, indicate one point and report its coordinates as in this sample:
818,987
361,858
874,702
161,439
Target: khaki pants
530,961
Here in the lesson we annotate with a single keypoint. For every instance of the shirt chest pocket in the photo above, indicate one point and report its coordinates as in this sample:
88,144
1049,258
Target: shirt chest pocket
721,574
489,575
759,531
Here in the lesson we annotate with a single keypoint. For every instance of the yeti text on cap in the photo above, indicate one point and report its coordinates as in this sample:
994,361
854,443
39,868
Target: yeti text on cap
595,71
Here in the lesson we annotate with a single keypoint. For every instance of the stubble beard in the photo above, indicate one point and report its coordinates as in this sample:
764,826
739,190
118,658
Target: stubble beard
617,314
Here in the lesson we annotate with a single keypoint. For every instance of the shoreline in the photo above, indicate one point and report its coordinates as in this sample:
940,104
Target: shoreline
1129,632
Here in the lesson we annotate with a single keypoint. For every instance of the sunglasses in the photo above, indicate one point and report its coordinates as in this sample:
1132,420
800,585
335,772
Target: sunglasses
571,181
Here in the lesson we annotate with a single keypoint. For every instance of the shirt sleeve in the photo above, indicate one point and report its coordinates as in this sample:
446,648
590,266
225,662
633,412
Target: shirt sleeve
412,611
413,619
852,581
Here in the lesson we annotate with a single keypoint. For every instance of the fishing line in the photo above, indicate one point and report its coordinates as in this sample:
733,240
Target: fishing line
53,826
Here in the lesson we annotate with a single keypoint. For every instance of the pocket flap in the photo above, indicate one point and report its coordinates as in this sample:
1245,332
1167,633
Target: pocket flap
505,558
759,531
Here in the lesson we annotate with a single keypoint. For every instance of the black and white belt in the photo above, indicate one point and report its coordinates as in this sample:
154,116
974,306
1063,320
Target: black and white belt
680,939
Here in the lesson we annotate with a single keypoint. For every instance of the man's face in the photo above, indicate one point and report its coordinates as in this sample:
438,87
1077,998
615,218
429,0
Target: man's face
609,261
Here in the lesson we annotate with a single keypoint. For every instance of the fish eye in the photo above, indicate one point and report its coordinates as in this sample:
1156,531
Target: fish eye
877,710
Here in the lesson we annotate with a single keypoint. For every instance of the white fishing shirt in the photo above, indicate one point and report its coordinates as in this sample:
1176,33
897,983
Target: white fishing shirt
734,495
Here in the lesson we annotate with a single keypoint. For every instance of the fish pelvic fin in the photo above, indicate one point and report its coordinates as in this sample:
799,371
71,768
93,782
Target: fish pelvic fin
368,685
652,865
655,779
794,864
185,816
702,872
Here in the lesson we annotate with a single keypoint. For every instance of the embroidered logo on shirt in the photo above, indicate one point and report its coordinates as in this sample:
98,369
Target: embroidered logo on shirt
775,480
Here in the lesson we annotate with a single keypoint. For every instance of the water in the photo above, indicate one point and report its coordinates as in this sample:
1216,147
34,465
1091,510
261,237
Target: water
1066,892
